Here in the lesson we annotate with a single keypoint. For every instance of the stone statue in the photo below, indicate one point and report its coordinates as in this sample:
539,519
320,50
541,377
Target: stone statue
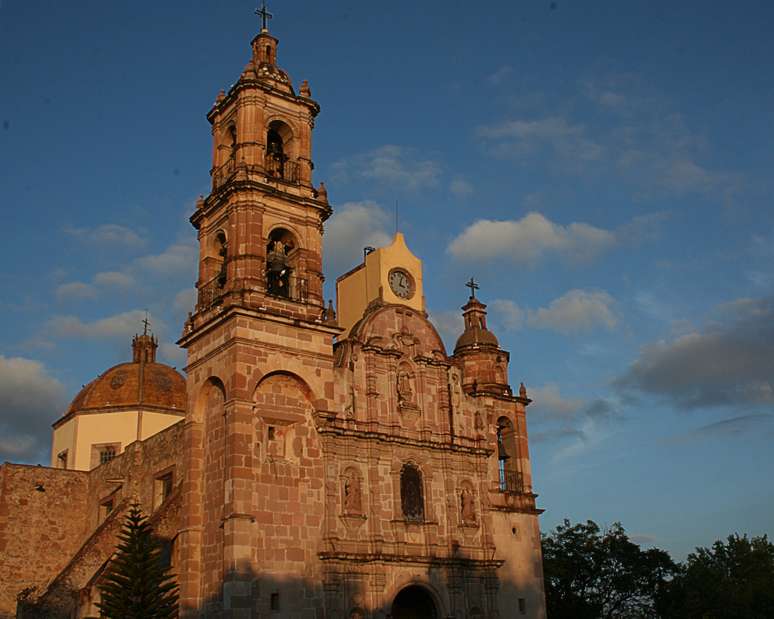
467,505
405,392
352,495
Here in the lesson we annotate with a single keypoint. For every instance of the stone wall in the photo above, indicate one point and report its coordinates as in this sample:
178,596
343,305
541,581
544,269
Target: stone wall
43,515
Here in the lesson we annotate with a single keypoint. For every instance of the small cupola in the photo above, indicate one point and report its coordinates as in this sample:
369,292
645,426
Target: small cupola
474,314
144,346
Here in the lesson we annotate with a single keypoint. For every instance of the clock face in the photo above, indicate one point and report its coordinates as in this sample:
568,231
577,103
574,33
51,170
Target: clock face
401,283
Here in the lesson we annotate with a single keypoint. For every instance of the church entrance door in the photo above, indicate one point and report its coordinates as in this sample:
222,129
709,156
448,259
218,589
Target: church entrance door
414,602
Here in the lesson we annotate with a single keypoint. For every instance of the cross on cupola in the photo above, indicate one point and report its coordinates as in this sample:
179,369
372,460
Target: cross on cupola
146,323
265,16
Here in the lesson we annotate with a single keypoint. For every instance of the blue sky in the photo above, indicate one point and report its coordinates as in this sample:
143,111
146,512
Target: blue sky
604,171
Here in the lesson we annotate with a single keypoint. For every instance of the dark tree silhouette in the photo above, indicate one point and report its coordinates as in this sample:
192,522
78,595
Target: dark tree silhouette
137,584
731,579
590,573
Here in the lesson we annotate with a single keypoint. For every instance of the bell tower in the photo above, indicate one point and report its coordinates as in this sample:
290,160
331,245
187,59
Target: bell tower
260,341
260,229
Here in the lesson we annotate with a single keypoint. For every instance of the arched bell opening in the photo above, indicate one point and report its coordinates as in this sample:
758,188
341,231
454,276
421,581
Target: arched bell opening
507,457
414,602
282,277
279,141
220,251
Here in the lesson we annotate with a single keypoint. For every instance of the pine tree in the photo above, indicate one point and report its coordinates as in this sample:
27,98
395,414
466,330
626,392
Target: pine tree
137,584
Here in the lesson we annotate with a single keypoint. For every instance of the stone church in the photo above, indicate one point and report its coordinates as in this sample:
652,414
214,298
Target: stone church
314,462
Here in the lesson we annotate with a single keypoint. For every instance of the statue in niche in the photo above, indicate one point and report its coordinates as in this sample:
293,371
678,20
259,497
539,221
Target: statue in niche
352,494
478,422
467,505
456,391
405,391
349,409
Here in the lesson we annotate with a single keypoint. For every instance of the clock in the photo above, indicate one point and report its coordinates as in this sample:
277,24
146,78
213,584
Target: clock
401,283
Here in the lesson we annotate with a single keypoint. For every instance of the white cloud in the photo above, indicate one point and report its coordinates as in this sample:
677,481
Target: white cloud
449,325
114,279
525,240
353,226
122,325
461,188
499,76
508,313
185,300
729,362
30,400
107,234
75,290
549,404
520,137
396,166
172,354
176,259
574,311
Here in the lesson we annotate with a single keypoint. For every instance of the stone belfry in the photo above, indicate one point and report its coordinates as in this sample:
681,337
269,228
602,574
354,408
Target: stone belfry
259,346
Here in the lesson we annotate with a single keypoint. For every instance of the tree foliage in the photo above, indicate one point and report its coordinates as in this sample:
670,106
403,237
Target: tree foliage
590,573
137,584
731,579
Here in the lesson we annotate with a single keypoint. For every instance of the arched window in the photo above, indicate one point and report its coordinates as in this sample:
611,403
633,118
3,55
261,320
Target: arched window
510,479
411,496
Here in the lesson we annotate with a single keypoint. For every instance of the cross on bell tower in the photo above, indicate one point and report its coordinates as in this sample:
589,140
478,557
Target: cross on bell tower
473,285
265,16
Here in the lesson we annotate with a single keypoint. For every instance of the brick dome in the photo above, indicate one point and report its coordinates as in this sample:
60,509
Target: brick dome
141,382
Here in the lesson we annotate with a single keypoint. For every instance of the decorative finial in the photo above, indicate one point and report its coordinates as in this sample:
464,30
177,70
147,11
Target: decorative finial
305,90
522,391
265,16
145,323
473,285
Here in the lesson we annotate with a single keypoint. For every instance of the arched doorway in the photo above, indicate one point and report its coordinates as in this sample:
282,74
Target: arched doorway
414,602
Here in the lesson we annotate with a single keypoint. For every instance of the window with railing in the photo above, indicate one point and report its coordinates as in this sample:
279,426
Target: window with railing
106,454
510,480
411,496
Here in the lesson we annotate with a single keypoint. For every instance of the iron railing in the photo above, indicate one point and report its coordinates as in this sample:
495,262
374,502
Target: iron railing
511,482
292,288
284,170
209,293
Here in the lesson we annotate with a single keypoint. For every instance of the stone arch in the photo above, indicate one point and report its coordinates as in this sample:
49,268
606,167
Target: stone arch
283,257
280,150
352,492
415,601
282,402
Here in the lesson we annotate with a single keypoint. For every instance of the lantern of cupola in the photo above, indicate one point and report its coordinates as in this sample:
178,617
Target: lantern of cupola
484,364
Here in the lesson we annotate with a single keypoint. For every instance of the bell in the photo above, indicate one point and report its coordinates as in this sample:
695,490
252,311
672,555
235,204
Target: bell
277,264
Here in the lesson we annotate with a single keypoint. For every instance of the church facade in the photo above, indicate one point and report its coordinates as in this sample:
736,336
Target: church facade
330,463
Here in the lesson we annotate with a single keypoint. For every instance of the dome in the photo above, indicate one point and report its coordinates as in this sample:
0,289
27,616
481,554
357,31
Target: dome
476,336
476,333
142,382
